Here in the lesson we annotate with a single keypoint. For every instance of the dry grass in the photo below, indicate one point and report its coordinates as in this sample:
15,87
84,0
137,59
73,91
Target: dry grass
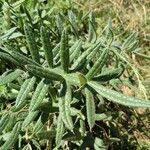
129,16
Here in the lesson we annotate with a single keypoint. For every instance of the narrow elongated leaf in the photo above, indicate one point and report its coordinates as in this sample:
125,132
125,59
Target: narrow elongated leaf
47,46
9,58
129,41
22,59
46,135
60,131
142,55
13,137
92,31
74,46
68,98
40,98
103,116
8,33
72,25
76,51
97,67
4,121
23,94
72,19
84,55
90,108
32,43
110,74
44,73
25,89
56,49
119,97
38,125
94,52
10,77
66,117
76,112
36,94
31,116
64,51
59,24
82,127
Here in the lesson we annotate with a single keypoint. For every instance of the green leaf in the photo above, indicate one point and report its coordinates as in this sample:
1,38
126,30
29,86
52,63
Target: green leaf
30,37
31,116
23,93
47,46
8,33
8,58
36,101
60,131
90,108
109,74
92,30
44,73
64,107
22,59
118,97
10,77
13,137
84,55
4,121
64,51
98,65
46,135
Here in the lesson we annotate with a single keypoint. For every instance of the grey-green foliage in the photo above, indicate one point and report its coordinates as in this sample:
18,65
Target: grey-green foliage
62,83
13,137
45,38
32,43
10,77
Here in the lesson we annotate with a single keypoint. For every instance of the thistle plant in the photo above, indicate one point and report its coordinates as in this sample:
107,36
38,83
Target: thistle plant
59,83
